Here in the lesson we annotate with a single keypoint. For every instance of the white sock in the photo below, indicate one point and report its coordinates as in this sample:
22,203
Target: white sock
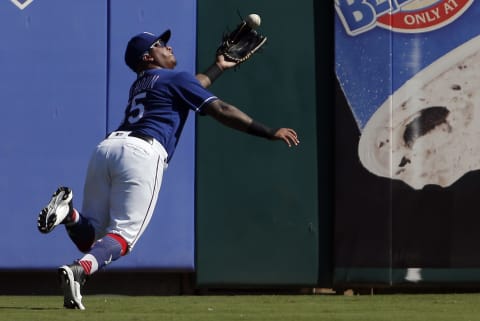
89,264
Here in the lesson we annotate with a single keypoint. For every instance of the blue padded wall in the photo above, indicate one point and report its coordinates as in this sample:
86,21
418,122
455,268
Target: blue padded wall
53,93
64,85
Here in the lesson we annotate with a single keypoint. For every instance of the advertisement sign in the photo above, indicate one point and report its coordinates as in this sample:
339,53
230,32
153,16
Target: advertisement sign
407,149
408,70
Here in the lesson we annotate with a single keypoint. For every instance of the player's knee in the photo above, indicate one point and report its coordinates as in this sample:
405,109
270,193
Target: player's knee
123,243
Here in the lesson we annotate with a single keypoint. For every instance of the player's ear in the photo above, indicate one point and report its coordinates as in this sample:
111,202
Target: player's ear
147,58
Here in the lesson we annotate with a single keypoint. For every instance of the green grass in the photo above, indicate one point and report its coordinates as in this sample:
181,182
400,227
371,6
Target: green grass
421,307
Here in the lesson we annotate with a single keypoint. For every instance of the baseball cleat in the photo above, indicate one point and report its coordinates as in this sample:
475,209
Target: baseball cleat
56,211
72,279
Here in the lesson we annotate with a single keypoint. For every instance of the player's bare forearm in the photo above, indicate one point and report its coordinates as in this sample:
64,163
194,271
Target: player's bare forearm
207,77
233,117
204,80
228,115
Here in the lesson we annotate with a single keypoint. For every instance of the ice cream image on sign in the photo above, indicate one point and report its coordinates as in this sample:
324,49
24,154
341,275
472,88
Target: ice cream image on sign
428,130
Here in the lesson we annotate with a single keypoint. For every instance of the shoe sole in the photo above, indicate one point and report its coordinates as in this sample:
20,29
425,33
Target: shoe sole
48,218
72,298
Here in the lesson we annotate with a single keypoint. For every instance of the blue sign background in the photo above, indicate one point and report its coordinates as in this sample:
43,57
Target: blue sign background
373,65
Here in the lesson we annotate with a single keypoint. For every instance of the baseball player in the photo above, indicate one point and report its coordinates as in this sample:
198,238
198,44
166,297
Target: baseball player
125,171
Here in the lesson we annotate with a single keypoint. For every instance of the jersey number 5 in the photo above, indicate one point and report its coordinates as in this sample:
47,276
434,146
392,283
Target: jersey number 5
136,108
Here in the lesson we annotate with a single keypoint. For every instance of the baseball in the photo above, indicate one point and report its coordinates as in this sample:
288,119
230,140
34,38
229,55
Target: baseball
253,20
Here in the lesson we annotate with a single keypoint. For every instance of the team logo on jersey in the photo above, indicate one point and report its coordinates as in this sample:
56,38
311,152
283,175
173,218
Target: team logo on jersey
407,16
21,4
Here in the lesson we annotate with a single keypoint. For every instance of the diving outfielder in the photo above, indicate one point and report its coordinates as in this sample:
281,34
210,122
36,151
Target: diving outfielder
125,170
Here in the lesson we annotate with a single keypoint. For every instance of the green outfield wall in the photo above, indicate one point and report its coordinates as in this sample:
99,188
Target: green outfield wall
260,218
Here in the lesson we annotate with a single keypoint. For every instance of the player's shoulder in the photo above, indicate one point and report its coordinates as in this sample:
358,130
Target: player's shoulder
175,78
184,78
169,75
183,75
172,73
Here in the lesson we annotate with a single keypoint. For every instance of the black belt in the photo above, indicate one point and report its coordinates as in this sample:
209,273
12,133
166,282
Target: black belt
148,139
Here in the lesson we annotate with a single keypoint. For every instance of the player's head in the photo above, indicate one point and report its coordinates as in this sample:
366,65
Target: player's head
147,50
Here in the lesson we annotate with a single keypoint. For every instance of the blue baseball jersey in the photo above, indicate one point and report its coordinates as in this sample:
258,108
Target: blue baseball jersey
159,104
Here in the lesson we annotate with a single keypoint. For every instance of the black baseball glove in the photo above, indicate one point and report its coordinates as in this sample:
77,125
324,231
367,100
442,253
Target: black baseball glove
240,44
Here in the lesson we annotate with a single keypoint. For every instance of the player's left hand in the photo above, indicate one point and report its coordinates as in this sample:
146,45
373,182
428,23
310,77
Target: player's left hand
288,135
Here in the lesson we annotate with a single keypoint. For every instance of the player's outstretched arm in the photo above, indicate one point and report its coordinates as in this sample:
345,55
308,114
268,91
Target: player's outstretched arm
207,77
233,117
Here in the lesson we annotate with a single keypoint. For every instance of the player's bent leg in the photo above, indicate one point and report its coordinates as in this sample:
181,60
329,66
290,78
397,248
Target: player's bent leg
106,250
72,279
57,210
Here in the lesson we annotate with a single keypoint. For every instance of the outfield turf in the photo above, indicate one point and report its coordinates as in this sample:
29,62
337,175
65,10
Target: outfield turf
421,307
